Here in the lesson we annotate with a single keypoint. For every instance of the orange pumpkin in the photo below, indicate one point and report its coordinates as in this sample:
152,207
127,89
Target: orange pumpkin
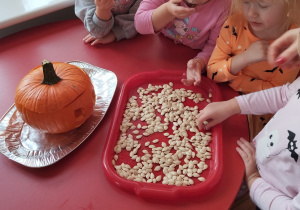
55,97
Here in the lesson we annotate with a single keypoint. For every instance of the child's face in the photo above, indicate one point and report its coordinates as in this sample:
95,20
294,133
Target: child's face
266,17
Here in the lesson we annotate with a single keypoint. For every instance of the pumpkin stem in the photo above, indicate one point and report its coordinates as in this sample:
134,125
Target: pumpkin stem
50,77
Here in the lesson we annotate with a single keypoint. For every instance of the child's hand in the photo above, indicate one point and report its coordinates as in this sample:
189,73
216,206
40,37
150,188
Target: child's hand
103,9
217,112
193,73
105,4
247,152
284,50
175,9
110,37
165,13
257,52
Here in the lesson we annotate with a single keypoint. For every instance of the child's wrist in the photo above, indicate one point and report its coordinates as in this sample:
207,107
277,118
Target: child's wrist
234,106
103,14
250,180
246,57
201,63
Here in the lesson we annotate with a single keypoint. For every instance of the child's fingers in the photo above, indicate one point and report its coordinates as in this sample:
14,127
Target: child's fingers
273,52
188,82
197,82
287,55
281,50
200,119
241,149
197,77
208,124
183,12
191,64
88,38
96,41
85,39
246,146
242,154
204,122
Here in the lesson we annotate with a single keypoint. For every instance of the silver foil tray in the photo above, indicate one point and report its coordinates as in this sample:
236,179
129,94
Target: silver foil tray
33,148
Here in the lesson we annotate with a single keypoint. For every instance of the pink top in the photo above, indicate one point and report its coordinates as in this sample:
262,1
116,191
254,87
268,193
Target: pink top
198,31
277,146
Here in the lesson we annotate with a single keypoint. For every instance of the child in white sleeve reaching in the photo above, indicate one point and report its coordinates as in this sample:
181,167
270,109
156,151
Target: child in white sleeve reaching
272,160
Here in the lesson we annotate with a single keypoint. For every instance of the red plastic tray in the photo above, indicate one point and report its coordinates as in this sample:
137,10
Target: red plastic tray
158,191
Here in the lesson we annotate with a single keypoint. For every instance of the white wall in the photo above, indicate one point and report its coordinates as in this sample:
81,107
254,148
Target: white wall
64,14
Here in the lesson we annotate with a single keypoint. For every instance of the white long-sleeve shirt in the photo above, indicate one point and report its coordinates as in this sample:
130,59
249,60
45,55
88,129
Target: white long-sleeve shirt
277,146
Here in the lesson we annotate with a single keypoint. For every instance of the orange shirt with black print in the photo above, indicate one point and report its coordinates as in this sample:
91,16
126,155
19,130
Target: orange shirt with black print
235,37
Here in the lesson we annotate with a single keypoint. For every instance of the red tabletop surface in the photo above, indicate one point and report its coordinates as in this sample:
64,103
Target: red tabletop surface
78,181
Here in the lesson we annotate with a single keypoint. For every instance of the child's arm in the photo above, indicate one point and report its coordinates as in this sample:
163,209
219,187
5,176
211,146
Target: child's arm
165,13
86,11
197,65
152,16
231,58
217,112
266,196
255,53
220,60
219,20
224,67
103,9
100,23
269,100
247,151
261,102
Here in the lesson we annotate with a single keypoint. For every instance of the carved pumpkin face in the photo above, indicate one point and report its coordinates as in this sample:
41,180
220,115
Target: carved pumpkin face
56,97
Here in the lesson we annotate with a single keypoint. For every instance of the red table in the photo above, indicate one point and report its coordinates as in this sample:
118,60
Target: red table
78,181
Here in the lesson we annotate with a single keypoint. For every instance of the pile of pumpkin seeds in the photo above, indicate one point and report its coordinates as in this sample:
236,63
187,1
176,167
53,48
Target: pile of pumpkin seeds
176,158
